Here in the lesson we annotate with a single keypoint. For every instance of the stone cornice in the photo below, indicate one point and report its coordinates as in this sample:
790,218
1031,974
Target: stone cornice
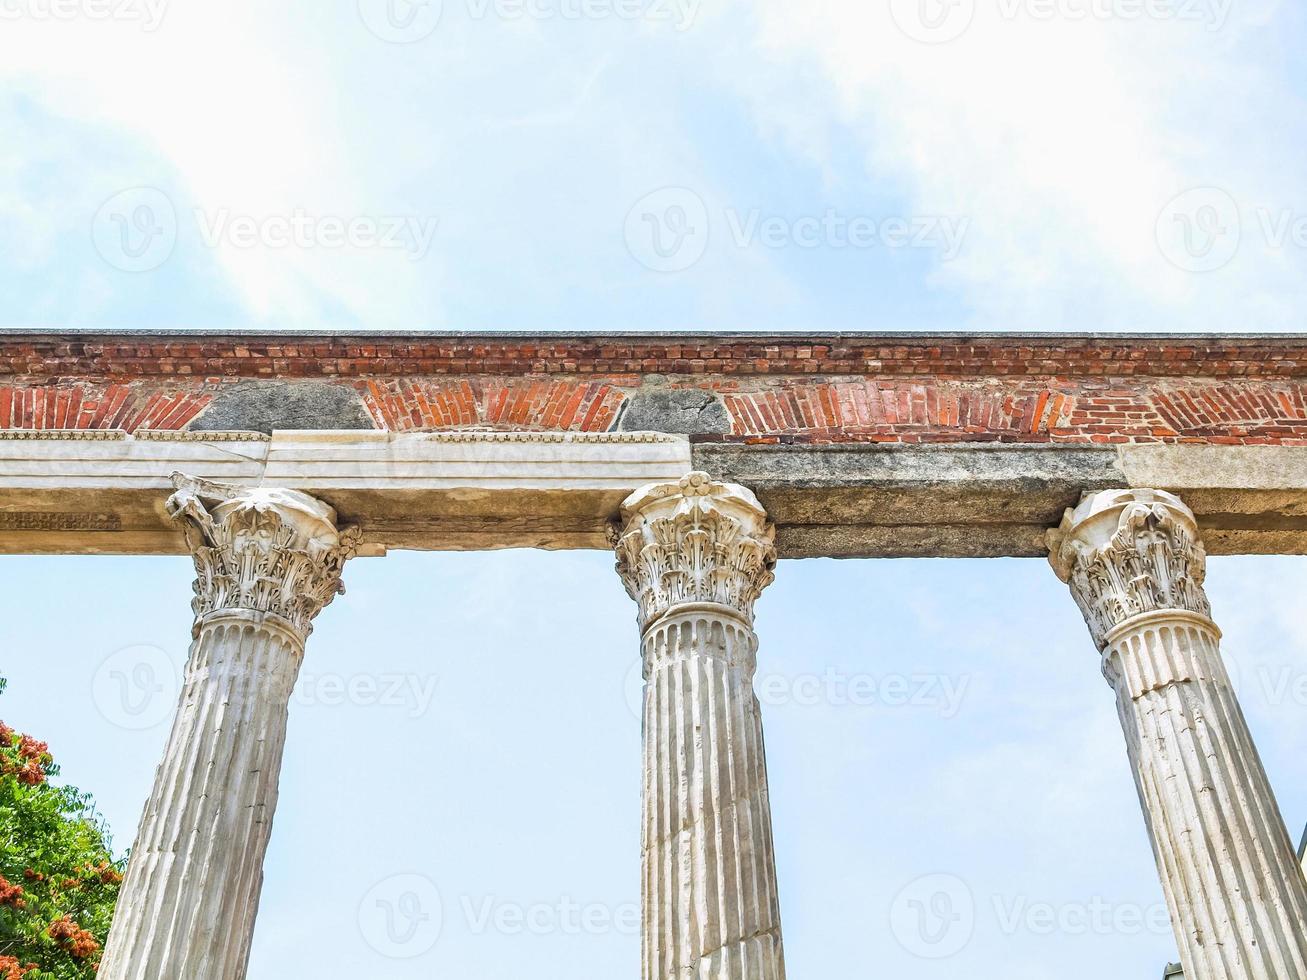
80,435
1129,554
484,435
260,552
338,436
695,541
185,435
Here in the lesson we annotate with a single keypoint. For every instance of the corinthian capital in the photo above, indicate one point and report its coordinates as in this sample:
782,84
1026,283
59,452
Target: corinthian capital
1130,552
696,541
261,550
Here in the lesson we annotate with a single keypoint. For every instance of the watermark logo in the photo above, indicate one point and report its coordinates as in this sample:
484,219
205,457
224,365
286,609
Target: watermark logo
1096,917
941,21
667,230
564,917
942,694
934,916
933,21
831,229
147,13
1200,229
411,693
1211,14
680,14
136,229
400,21
1276,685
300,229
400,917
137,687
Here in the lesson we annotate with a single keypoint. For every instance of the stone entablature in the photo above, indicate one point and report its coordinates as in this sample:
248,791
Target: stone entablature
103,491
805,389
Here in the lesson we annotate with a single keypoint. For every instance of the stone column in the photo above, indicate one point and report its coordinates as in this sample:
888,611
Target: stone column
695,556
1237,897
266,562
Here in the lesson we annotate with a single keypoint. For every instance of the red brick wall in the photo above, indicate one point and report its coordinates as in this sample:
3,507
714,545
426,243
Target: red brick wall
415,404
205,355
90,405
837,389
1052,410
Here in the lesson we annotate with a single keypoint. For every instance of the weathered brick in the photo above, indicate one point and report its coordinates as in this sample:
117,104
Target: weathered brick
774,389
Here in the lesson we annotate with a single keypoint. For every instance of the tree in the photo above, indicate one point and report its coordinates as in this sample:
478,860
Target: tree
58,878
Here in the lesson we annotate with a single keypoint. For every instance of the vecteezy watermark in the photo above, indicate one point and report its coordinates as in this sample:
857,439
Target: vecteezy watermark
936,916
835,230
933,916
300,229
668,230
1203,228
942,694
406,21
680,14
147,13
136,687
401,916
1276,685
400,21
411,693
564,916
940,21
1211,14
136,229
1095,917
1199,230
933,21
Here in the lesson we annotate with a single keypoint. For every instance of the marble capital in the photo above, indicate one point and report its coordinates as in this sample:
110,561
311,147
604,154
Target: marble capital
261,552
696,541
1130,553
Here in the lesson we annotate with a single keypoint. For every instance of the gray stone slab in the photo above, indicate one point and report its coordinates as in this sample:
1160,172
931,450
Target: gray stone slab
262,406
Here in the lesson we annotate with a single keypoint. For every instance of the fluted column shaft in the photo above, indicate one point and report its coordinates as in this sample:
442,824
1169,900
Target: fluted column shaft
695,555
266,562
1237,896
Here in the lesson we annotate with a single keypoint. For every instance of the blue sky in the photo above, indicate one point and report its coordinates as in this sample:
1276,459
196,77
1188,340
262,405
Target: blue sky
464,719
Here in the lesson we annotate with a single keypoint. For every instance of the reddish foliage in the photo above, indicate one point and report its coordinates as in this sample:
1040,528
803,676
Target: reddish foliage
11,969
68,934
11,894
30,748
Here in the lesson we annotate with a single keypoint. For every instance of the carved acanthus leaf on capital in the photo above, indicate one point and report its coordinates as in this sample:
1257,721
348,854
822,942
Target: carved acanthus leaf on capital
694,541
1129,552
261,550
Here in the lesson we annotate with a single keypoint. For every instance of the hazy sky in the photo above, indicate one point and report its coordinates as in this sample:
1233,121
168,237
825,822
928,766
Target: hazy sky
463,731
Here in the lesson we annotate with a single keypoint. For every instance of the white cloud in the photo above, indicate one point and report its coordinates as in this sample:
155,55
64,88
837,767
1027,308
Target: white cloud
1063,139
246,125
